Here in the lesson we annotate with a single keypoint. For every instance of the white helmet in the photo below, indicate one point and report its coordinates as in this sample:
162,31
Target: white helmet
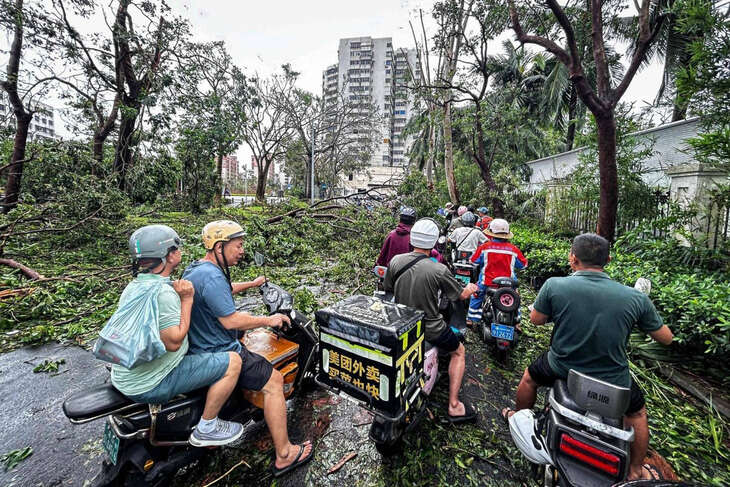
525,434
462,209
424,234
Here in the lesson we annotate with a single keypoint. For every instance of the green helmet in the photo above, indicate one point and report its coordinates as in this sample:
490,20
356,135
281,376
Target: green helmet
153,242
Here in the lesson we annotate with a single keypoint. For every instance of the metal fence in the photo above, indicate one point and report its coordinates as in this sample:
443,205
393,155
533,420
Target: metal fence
711,224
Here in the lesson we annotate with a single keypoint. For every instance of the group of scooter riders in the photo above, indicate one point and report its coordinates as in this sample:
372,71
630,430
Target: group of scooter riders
593,315
201,328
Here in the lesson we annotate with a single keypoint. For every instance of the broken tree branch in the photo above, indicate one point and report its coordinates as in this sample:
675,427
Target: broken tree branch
27,271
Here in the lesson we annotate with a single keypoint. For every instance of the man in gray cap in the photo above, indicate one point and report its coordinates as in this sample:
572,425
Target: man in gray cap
417,281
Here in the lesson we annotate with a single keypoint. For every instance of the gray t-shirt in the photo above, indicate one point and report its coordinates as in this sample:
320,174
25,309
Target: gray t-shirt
420,287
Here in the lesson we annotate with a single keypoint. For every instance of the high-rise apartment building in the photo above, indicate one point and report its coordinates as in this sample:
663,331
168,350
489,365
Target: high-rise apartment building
229,170
373,71
42,124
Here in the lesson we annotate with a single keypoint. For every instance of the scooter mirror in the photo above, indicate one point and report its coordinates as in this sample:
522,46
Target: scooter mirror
259,258
442,239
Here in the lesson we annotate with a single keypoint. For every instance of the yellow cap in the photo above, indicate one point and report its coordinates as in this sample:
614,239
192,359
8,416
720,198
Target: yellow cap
221,231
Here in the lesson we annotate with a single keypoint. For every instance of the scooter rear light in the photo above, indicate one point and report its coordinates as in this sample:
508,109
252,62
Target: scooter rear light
595,457
503,343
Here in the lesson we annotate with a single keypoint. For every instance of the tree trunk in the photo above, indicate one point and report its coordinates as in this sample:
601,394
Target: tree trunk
449,156
123,156
15,171
219,179
606,124
485,166
572,106
431,144
261,185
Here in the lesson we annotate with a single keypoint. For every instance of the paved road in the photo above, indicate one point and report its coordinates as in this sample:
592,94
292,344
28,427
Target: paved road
31,415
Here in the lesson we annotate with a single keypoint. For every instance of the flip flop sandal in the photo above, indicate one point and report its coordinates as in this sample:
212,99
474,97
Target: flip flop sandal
469,415
506,414
298,461
655,474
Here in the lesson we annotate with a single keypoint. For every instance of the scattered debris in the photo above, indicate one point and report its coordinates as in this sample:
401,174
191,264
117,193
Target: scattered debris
11,459
342,461
242,462
48,366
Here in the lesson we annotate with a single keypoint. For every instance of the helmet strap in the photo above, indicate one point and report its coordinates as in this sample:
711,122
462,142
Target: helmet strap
224,265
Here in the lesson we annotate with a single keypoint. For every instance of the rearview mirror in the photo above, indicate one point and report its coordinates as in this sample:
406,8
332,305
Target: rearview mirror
259,258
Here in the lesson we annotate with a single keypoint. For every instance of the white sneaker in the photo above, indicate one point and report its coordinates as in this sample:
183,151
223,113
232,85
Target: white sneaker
225,432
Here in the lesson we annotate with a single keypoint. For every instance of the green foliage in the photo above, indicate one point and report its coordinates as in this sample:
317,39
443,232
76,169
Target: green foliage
48,366
704,81
11,459
546,254
414,192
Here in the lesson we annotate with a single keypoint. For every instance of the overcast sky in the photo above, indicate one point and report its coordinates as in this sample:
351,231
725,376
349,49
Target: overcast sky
263,35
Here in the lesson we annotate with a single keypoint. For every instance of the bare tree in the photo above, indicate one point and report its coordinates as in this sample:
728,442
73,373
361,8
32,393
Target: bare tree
27,24
267,131
452,16
344,131
602,99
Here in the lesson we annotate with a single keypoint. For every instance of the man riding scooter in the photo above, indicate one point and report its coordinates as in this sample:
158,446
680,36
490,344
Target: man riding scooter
216,326
398,240
593,317
498,258
467,238
417,281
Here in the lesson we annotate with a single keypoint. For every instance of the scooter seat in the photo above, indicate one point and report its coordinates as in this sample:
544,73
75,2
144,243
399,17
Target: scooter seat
562,395
92,403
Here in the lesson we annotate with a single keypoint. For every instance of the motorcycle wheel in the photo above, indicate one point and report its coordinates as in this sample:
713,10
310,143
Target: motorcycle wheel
390,449
485,332
502,355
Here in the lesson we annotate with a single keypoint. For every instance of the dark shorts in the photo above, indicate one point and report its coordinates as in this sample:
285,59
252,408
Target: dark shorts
447,341
255,371
543,374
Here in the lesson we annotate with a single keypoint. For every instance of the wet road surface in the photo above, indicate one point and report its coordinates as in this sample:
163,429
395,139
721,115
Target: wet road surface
435,453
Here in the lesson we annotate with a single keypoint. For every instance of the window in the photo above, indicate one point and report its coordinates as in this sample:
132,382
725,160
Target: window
390,44
354,45
349,177
387,63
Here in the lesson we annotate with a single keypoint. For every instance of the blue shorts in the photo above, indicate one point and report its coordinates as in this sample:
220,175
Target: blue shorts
193,372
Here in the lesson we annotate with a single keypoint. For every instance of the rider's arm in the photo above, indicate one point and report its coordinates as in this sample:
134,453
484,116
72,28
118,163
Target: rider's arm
173,336
663,335
542,308
245,321
238,287
174,313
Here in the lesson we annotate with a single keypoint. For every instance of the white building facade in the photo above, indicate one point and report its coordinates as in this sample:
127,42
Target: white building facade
41,126
372,71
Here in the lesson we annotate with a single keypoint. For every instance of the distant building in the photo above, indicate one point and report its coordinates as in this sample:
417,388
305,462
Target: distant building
230,168
371,71
41,126
670,149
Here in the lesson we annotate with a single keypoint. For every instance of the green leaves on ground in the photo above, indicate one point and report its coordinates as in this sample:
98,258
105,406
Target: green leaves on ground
48,366
11,459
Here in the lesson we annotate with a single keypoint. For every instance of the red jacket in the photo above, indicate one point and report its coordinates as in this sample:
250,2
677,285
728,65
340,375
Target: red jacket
484,221
499,258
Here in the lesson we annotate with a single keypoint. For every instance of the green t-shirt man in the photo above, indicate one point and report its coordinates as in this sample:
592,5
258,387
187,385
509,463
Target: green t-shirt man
148,375
593,318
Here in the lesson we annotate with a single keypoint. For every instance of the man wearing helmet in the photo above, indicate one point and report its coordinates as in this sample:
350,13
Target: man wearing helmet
218,326
496,258
483,219
417,281
155,251
398,241
467,238
456,222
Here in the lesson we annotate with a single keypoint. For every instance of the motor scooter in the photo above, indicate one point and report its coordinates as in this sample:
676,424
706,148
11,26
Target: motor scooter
500,316
146,444
579,437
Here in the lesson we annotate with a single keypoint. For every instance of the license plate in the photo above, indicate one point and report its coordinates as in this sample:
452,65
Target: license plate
464,279
503,332
110,443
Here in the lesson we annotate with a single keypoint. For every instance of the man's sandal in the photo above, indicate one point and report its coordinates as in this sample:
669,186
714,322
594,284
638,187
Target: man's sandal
298,461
